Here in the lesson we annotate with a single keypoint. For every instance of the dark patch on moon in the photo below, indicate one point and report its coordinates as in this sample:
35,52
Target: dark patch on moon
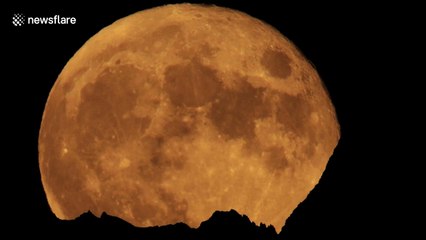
154,168
234,111
276,159
191,85
146,166
106,104
177,127
166,32
294,113
104,119
310,148
162,162
276,63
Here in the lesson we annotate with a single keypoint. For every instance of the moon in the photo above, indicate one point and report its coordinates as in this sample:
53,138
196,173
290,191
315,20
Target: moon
172,113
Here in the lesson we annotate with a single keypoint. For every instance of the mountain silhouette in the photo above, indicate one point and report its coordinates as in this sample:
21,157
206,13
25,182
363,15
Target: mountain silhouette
221,225
231,225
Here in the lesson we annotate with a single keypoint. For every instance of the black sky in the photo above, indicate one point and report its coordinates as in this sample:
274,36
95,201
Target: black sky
342,40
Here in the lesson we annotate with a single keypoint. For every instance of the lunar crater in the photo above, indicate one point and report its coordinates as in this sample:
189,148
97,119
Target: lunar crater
276,63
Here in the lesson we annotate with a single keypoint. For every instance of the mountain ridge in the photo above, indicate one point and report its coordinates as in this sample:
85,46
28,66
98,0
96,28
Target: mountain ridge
221,225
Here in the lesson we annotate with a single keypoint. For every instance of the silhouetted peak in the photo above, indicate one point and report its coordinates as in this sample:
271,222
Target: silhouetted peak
230,224
90,217
228,216
87,216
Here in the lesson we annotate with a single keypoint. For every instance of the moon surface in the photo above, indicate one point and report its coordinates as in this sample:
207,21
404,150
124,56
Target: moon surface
172,113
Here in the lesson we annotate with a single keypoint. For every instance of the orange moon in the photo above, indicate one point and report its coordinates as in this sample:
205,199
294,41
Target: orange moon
172,113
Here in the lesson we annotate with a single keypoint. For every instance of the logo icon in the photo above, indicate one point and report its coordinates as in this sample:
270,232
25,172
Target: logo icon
18,19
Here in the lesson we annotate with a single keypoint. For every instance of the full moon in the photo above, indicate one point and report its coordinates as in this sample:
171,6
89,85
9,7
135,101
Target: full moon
172,113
